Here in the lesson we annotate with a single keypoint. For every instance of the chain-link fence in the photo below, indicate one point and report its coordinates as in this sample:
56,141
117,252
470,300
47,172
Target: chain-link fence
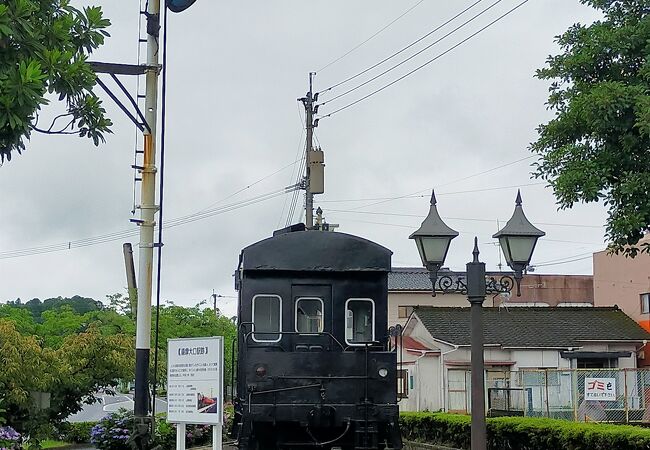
584,395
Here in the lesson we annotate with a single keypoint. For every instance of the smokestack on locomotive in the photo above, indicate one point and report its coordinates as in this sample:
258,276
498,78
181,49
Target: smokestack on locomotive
315,367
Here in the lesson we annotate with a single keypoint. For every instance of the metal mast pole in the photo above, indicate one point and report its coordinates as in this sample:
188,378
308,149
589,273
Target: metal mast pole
309,196
476,290
148,209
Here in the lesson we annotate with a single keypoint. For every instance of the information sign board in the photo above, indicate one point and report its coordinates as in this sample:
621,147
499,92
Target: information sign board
195,380
602,389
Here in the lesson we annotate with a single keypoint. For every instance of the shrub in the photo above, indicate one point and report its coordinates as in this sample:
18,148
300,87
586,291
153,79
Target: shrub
113,431
77,433
9,438
165,434
523,433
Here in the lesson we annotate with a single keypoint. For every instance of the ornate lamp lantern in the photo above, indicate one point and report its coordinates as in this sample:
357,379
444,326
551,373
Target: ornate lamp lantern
433,239
517,240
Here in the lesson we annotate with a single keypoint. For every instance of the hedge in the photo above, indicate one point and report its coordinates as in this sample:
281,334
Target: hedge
507,433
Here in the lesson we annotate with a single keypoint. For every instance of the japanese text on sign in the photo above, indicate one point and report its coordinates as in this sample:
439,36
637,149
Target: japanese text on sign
603,389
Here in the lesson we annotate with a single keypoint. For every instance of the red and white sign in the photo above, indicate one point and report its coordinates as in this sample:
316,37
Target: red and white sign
601,389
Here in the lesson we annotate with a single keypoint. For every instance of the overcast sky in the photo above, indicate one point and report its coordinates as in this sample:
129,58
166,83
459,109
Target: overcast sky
235,71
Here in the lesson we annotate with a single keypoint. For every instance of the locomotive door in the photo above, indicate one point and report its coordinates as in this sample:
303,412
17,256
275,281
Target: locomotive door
311,315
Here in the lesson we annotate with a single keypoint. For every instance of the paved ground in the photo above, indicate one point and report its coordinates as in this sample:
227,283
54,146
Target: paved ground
110,403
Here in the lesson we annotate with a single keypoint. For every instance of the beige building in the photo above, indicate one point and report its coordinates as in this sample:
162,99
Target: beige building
410,286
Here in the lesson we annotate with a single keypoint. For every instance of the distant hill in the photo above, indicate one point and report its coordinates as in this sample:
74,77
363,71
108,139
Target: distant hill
36,307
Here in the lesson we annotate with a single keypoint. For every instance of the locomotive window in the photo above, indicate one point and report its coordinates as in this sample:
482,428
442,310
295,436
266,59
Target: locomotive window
267,318
359,321
309,315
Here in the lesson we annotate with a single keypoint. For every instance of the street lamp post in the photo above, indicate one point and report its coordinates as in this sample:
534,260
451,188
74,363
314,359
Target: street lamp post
517,240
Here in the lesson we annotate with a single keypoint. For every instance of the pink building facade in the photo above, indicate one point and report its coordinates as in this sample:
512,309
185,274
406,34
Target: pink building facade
625,282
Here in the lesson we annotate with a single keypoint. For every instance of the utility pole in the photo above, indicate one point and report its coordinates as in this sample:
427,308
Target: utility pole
148,209
314,167
308,101
214,301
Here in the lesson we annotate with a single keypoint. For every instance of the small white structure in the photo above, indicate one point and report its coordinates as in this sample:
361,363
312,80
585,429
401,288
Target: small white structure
435,350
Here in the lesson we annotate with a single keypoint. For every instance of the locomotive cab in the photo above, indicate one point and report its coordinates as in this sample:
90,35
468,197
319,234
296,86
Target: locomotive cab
314,367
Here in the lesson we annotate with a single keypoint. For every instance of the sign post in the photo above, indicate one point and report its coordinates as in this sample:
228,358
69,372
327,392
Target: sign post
195,386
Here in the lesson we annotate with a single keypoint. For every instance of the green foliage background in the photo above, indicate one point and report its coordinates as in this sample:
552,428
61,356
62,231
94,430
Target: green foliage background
597,147
73,347
44,47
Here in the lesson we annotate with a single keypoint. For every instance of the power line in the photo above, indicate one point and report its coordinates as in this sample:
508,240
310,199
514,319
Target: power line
458,180
470,219
371,37
562,262
298,151
390,69
250,185
119,235
350,200
426,63
403,49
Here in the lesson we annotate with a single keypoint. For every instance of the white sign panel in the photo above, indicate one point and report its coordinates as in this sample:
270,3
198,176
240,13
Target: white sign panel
194,380
602,389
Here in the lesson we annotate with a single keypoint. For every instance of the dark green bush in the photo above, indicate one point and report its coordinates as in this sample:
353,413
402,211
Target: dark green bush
78,432
507,433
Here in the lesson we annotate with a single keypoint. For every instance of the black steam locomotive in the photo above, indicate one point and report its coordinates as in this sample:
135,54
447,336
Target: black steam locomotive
314,368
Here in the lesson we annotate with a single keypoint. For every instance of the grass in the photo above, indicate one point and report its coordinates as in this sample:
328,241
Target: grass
50,443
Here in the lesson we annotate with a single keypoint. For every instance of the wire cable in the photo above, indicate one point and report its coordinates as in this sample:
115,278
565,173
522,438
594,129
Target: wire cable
426,63
471,219
458,180
371,37
163,117
461,26
350,200
119,235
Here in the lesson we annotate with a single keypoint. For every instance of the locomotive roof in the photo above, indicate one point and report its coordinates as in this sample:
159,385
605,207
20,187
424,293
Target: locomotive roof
316,251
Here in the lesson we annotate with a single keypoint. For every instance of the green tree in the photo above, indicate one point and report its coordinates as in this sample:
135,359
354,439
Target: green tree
22,319
179,321
59,324
596,148
73,374
44,46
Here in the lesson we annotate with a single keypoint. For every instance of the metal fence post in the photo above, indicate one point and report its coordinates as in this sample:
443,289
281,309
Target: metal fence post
625,402
548,409
574,379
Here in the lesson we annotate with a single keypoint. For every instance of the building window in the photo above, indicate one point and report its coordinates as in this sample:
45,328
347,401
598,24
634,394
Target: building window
645,303
403,312
403,383
359,321
267,318
309,315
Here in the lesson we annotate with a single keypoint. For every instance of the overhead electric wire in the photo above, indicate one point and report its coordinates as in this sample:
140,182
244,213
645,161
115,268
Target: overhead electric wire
298,151
428,62
402,50
501,166
119,235
250,185
471,219
390,69
561,262
350,200
371,37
